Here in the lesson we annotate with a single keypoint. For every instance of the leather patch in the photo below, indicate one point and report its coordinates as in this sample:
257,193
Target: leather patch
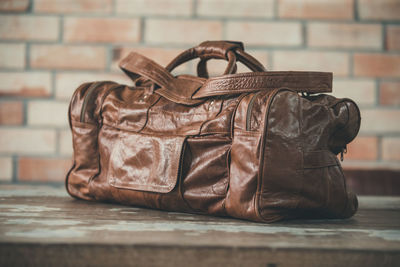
146,163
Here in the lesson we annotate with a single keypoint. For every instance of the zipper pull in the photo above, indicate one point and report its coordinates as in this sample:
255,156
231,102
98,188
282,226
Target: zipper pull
344,151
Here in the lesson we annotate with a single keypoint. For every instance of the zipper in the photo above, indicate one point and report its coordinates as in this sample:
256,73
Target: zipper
249,111
86,99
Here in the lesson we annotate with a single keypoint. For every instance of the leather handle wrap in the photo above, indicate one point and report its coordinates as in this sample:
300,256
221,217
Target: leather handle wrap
300,81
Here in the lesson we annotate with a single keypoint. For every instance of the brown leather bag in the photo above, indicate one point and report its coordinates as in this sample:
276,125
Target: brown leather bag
259,146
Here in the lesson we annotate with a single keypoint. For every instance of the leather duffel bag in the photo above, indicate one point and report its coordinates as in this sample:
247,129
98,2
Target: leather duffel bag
260,145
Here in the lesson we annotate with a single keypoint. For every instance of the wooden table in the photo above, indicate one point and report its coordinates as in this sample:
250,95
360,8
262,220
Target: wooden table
43,226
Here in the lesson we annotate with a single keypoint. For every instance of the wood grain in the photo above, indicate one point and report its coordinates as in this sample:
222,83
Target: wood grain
42,226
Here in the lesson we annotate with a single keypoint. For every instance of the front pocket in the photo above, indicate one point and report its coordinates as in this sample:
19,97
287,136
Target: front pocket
146,162
206,173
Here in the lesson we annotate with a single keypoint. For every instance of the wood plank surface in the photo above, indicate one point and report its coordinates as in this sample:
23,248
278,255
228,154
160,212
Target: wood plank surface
43,226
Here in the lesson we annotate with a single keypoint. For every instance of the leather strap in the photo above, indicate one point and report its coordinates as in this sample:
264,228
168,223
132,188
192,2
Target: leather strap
178,90
193,90
300,81
136,65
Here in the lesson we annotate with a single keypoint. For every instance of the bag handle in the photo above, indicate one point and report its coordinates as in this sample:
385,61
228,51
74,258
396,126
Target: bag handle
229,50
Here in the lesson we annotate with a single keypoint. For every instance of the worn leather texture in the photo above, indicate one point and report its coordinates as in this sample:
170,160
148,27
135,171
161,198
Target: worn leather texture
259,146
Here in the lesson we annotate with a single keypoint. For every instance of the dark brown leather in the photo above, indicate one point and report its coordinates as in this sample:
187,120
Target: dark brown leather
243,145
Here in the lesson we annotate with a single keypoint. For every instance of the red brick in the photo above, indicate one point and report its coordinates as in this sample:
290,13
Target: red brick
6,169
376,65
27,141
11,113
235,8
344,35
393,37
43,169
389,93
391,149
379,9
155,7
48,113
28,84
177,31
14,5
380,121
65,143
12,56
335,62
362,148
162,56
73,6
316,9
67,82
68,57
361,91
265,33
101,30
22,27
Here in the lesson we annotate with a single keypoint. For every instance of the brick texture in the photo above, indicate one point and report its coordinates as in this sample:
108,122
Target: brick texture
14,5
316,9
68,57
379,9
43,169
100,30
236,8
380,121
6,169
66,82
389,93
21,27
74,6
377,65
335,62
362,148
154,7
65,143
48,113
391,148
11,113
27,141
28,84
12,56
181,31
265,33
344,35
393,38
362,91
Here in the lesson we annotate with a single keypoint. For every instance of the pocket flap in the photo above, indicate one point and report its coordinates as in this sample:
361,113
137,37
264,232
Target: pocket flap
146,163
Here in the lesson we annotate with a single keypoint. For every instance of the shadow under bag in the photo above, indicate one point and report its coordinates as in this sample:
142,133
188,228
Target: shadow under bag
259,146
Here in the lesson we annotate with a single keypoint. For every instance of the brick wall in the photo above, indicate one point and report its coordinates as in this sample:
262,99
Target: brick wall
49,47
